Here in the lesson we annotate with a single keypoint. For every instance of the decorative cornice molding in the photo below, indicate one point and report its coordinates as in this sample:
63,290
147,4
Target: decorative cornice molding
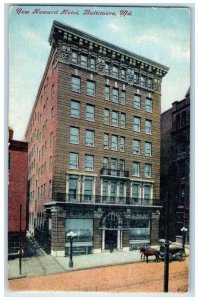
103,48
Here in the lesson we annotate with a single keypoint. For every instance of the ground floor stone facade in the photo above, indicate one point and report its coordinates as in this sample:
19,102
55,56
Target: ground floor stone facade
99,228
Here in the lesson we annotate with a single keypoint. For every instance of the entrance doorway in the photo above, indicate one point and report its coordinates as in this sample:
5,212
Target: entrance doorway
111,239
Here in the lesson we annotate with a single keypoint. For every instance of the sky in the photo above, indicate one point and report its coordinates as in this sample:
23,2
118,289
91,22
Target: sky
158,33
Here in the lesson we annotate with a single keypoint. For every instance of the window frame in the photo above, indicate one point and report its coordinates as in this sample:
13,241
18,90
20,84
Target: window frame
76,167
86,162
74,109
92,138
91,90
75,84
72,135
135,124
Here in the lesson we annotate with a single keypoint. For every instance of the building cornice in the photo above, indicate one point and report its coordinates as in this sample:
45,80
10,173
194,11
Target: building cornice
63,31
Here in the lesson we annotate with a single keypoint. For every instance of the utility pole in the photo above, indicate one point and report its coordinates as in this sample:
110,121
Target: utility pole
20,239
166,258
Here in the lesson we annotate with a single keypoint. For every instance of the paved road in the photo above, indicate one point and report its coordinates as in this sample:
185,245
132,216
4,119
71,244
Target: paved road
130,278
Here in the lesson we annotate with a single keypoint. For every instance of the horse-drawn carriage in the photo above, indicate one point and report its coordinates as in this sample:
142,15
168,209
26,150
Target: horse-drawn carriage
175,253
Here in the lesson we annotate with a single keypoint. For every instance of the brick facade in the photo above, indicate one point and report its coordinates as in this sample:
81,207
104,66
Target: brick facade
175,159
17,192
53,176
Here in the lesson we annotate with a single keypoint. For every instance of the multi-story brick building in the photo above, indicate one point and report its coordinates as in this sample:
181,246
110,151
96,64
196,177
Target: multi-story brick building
175,160
17,192
94,146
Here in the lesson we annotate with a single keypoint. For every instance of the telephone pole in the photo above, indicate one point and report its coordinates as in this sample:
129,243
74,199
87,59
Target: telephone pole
166,249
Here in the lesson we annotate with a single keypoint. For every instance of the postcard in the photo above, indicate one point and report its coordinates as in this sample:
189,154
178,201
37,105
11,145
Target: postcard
99,139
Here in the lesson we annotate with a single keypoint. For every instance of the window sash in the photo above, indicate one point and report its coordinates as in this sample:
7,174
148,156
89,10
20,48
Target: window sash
123,98
115,72
74,58
107,69
113,164
123,120
136,169
75,109
93,64
136,147
114,142
73,164
137,102
148,149
107,93
89,138
148,127
89,162
105,163
75,84
147,170
90,88
84,61
106,116
90,112
74,135
115,95
115,119
106,140
136,124
122,144
148,105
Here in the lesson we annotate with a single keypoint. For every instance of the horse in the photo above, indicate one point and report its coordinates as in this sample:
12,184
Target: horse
149,252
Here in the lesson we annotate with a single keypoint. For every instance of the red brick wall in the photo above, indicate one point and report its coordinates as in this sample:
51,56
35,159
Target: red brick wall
17,189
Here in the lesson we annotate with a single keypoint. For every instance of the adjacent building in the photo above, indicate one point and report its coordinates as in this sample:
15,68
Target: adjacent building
94,146
175,162
17,192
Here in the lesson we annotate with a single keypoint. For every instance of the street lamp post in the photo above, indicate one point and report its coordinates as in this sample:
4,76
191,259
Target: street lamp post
71,235
184,230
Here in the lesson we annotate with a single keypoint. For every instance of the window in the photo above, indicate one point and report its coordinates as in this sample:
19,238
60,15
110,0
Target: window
147,192
106,139
50,163
52,91
142,81
123,74
137,102
73,163
113,191
136,124
136,147
136,78
90,112
115,95
148,104
123,98
148,149
49,189
105,163
51,140
73,188
106,116
75,84
105,189
89,138
88,189
74,135
90,88
122,144
123,120
136,168
107,69
115,72
93,64
75,109
107,93
135,192
147,170
88,162
84,61
148,127
114,142
115,118
150,83
113,166
74,58
122,167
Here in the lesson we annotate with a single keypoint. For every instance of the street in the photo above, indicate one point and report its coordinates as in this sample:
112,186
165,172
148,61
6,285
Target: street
130,278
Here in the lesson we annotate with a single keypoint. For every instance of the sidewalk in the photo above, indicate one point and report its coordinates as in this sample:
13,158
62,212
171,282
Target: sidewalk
46,264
